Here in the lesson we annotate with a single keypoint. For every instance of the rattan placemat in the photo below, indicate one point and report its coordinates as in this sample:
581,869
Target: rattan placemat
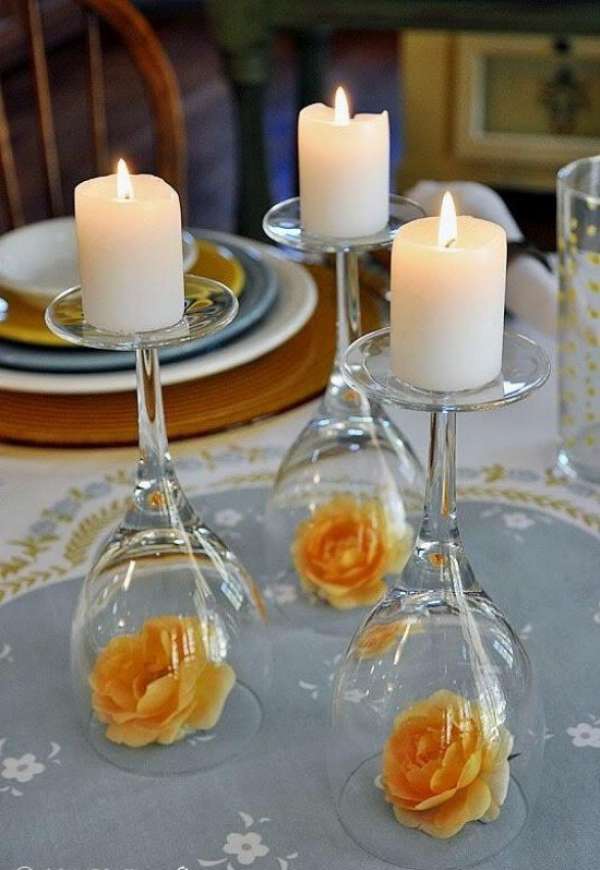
283,378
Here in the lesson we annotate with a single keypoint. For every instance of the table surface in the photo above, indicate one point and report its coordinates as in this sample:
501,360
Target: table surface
536,538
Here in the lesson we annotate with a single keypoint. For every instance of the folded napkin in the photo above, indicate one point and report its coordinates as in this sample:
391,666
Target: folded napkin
531,286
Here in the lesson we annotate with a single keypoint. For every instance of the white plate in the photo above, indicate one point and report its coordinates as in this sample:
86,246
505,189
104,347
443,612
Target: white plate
39,260
295,304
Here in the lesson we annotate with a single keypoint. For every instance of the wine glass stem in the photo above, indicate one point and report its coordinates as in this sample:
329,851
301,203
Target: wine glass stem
157,490
339,398
438,559
439,523
151,418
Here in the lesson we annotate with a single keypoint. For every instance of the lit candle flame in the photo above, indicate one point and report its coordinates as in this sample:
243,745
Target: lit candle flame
341,110
124,186
448,230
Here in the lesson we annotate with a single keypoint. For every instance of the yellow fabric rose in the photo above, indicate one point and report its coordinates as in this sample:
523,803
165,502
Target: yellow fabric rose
378,639
440,771
345,548
158,685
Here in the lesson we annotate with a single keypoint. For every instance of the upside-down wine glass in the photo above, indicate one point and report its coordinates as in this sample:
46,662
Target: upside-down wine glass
170,658
338,516
438,730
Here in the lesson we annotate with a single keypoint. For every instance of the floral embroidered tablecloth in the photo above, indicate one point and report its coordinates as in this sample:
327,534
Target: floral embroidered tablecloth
534,538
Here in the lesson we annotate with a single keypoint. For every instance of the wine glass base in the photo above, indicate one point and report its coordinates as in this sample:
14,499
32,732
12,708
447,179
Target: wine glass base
209,306
368,369
199,750
283,224
369,820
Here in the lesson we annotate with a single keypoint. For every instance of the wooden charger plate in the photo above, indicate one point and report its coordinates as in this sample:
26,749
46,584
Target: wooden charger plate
283,378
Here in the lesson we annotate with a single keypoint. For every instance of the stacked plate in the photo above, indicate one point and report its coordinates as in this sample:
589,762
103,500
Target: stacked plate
277,298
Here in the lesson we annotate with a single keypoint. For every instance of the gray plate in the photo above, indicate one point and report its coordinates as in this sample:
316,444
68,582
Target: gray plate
259,294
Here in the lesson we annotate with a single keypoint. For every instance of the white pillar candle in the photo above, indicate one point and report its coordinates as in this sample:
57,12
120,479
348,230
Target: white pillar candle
130,252
448,284
344,166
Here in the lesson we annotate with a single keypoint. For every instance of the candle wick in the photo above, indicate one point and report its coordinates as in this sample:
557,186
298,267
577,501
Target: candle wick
450,243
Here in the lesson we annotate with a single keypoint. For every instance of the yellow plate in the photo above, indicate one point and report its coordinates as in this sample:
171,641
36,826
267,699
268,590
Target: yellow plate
25,323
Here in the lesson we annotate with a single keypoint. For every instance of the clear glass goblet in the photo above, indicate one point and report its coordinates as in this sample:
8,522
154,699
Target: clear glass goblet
351,476
437,725
170,657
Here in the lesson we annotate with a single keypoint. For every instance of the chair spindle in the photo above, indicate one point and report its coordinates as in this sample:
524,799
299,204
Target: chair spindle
8,172
35,34
97,93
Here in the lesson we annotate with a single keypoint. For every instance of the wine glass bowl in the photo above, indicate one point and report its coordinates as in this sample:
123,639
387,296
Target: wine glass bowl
429,673
171,611
339,521
350,475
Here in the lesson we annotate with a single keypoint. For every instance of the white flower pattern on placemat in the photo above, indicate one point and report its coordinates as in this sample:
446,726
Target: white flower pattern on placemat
228,517
517,521
244,849
281,593
487,513
23,768
6,653
195,739
355,696
330,668
525,632
586,734
311,688
547,735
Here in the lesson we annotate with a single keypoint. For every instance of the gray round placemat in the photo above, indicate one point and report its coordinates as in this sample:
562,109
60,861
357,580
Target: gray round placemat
271,808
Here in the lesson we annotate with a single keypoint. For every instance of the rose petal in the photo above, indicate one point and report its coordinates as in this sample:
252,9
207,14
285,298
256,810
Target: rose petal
131,734
471,769
498,750
498,781
407,818
362,597
217,681
159,698
436,799
467,805
420,777
398,788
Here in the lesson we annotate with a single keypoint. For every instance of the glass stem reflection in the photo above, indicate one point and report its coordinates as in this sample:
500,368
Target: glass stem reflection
339,399
438,550
157,498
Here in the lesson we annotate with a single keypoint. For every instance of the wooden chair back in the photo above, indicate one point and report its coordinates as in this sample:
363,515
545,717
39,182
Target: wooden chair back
156,73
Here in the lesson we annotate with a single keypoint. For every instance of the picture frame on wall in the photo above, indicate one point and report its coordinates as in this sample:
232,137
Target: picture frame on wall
527,99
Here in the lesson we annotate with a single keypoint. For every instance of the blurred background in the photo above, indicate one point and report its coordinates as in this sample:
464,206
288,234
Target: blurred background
482,90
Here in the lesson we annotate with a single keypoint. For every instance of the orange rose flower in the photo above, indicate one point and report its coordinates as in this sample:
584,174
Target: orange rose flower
440,771
378,639
158,685
345,548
